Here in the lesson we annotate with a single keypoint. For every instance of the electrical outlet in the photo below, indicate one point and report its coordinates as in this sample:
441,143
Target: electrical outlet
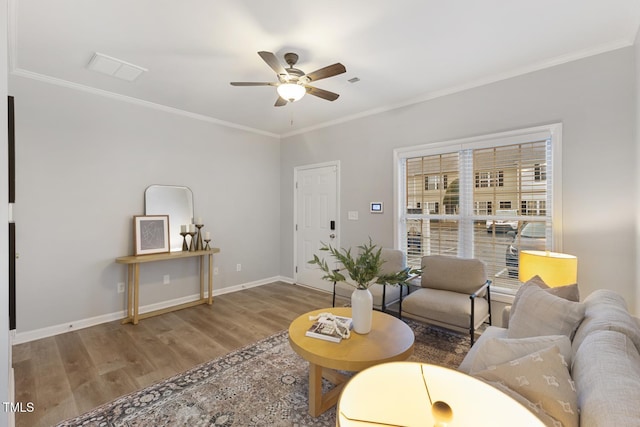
166,279
120,287
216,271
238,267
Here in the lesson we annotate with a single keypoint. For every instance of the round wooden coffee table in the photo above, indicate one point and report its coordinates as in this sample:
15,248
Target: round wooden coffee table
390,340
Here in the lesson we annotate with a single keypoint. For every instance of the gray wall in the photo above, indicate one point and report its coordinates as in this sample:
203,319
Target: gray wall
637,78
83,163
5,348
594,98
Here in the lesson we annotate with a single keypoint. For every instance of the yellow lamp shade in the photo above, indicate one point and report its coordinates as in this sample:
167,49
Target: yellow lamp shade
555,269
400,394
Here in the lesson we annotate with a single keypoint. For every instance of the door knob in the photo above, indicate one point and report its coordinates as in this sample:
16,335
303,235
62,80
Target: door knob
333,236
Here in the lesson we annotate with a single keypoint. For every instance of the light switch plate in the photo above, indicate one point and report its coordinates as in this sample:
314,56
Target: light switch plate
353,215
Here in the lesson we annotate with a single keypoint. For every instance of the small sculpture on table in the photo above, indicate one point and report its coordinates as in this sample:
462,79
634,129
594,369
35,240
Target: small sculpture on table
184,230
192,245
185,247
199,245
192,233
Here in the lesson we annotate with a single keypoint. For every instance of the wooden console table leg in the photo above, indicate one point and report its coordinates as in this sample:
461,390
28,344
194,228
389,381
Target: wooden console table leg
210,279
136,292
202,278
130,291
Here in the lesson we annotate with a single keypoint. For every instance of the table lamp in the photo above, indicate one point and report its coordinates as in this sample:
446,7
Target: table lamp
424,395
555,269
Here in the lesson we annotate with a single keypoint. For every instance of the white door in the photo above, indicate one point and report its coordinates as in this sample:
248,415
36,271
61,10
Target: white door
316,221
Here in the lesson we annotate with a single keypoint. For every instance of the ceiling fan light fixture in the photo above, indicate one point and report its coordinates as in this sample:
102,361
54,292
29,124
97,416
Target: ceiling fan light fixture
291,91
293,83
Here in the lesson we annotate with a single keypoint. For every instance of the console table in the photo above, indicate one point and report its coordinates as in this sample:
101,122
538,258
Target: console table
133,281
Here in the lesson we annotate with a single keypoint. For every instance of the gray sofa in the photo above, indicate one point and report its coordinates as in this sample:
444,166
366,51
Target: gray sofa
593,346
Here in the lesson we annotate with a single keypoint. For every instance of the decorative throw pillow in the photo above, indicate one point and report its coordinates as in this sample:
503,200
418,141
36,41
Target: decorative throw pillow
541,313
496,351
568,292
543,379
542,415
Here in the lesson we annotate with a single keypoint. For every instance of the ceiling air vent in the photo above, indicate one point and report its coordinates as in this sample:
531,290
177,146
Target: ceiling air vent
115,67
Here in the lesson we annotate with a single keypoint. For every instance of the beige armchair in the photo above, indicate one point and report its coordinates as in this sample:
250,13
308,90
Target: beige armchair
454,293
395,260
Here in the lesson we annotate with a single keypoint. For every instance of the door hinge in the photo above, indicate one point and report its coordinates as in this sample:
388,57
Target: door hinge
296,268
296,227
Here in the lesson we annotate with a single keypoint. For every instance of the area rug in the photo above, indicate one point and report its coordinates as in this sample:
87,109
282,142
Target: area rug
263,384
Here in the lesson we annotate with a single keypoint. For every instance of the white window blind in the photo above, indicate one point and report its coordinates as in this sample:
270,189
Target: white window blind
498,199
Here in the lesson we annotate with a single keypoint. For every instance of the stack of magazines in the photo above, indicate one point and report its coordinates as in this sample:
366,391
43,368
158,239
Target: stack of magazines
332,328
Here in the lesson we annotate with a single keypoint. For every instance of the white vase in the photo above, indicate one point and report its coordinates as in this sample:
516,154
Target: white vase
361,310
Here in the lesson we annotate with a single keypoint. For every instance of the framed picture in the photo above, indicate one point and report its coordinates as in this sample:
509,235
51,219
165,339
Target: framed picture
151,234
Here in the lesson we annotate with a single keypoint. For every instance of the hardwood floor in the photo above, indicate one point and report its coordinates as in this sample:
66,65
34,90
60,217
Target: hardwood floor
71,373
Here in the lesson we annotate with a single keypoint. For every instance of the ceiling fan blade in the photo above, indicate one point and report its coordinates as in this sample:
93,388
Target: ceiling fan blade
273,62
323,73
253,84
280,102
321,93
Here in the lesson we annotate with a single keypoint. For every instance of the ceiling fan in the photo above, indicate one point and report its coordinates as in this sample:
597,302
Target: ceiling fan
293,83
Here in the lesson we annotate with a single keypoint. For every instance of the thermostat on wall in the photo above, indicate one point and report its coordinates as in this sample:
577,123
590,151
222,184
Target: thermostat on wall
377,207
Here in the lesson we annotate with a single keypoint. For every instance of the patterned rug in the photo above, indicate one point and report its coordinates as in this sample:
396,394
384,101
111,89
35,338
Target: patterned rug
263,384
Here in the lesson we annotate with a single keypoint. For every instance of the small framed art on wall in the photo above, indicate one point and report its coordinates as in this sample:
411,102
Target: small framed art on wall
151,234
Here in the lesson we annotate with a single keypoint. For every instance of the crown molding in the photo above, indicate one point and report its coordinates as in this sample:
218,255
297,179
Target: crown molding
107,94
563,59
14,69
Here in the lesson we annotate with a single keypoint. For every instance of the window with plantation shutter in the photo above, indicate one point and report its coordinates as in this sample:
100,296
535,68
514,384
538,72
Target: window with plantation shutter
486,197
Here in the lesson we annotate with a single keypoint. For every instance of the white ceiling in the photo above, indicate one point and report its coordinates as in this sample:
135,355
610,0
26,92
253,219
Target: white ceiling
403,51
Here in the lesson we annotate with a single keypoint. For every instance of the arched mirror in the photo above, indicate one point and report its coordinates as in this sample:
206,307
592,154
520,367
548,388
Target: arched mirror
175,201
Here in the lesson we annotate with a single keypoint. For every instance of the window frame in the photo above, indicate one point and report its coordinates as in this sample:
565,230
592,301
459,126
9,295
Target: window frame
551,131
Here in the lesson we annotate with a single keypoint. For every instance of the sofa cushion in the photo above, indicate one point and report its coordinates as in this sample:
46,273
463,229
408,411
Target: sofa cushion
569,292
542,415
606,369
496,351
453,274
543,379
606,310
478,347
541,313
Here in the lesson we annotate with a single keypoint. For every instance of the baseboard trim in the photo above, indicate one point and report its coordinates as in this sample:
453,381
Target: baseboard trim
49,331
326,291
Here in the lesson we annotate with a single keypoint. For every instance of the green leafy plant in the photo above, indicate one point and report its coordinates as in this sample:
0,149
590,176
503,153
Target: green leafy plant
363,269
